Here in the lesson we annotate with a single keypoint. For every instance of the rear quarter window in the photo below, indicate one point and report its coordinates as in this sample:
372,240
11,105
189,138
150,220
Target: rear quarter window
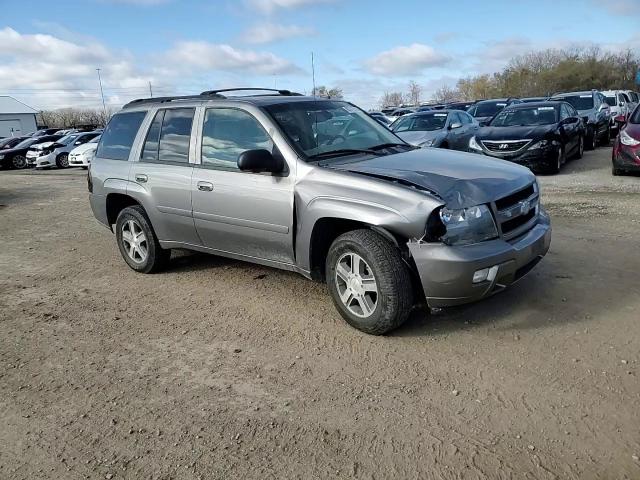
118,137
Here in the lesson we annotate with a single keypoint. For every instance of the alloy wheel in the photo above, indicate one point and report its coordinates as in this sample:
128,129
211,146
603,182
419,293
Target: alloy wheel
64,160
135,241
357,286
19,161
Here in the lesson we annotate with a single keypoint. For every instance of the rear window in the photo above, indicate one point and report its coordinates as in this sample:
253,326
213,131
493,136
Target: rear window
117,139
579,102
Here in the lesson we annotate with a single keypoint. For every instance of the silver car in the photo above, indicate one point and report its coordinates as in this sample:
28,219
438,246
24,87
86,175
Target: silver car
267,179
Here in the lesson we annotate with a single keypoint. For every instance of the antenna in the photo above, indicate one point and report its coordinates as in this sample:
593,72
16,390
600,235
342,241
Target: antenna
313,76
150,90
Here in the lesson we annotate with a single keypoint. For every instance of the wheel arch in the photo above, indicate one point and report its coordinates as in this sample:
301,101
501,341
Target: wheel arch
115,203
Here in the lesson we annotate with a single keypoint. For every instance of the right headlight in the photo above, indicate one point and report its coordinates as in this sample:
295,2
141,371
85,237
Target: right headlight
1,156
467,225
474,145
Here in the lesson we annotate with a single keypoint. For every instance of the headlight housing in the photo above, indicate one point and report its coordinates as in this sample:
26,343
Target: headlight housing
474,145
625,139
428,143
540,144
467,225
1,156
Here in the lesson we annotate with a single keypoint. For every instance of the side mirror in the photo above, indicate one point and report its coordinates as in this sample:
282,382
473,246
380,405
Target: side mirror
570,121
260,160
603,107
621,104
455,125
484,123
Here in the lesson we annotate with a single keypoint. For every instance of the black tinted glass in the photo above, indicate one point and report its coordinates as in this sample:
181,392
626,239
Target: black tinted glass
118,137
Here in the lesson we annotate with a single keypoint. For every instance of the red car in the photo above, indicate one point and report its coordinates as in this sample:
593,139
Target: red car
626,148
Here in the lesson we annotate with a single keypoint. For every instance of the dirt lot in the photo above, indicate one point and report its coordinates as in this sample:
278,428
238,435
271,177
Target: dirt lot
220,369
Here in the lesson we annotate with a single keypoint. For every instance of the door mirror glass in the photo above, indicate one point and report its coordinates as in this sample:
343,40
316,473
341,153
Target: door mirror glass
260,160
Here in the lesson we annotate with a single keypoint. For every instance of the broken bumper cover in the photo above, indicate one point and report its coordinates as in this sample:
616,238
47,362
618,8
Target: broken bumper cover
446,272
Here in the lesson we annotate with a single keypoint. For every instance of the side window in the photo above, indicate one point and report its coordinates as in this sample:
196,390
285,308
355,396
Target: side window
564,112
625,98
454,118
226,133
169,136
150,150
118,137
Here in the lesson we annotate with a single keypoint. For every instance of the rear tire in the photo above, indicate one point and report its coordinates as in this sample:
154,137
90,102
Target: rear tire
580,153
592,139
363,256
138,243
616,171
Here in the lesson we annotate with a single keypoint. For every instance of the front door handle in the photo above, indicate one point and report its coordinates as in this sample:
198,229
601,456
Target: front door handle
205,186
141,178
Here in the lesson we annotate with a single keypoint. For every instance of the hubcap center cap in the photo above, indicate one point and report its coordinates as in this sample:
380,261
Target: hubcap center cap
355,284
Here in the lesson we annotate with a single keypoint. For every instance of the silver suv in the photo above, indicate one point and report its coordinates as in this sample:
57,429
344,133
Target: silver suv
269,178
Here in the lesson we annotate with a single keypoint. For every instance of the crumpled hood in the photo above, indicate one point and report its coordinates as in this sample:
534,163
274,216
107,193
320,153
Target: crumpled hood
459,179
41,146
531,132
417,137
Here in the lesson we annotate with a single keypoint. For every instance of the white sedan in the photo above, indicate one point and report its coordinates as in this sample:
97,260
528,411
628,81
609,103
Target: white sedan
81,156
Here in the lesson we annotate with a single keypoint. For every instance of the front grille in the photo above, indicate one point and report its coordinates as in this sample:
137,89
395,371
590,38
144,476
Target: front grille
505,146
517,212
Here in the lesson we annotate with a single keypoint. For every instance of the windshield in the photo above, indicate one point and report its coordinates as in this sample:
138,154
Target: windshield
611,101
525,117
423,123
26,143
317,127
66,140
579,102
488,109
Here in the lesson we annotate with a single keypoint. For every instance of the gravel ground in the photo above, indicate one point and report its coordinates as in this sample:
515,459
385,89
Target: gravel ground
218,369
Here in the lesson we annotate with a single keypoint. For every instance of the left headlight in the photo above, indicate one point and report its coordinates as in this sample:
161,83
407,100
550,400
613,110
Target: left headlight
428,143
468,225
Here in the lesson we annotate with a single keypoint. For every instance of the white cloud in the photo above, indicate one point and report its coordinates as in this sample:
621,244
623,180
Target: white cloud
269,6
406,60
272,32
202,55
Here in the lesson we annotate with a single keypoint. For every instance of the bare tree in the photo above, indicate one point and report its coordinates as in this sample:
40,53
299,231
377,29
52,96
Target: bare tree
445,94
414,93
73,117
391,99
334,92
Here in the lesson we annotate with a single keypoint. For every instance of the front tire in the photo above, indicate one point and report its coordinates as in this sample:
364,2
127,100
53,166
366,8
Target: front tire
63,160
606,139
580,152
19,162
368,281
138,243
559,161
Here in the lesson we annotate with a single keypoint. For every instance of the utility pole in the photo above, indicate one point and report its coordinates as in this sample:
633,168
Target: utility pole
104,108
150,90
313,75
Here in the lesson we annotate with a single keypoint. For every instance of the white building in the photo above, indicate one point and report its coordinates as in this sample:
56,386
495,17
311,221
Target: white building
16,118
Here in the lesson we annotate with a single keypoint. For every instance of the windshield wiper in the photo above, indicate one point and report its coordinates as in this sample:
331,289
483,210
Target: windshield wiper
389,145
343,151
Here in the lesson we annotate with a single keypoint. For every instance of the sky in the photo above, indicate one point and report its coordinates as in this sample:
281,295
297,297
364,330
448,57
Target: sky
49,50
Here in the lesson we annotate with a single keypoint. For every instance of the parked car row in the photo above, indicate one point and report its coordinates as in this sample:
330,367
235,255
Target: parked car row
541,133
49,148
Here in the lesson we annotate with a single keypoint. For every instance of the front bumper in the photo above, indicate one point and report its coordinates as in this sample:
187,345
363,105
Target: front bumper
626,157
43,161
76,160
537,160
446,272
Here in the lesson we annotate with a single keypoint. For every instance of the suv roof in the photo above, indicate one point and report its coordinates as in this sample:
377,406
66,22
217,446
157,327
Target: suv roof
564,94
218,95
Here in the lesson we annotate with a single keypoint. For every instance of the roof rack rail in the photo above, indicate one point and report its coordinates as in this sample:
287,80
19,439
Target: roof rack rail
251,89
205,94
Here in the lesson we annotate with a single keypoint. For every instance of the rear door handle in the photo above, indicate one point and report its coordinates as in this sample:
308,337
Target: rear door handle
205,186
141,178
